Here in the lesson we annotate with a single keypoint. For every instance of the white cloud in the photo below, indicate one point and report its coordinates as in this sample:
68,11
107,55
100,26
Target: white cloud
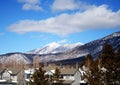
62,41
31,5
64,24
61,5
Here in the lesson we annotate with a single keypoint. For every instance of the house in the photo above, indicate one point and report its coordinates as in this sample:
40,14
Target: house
28,75
70,76
79,77
67,75
8,76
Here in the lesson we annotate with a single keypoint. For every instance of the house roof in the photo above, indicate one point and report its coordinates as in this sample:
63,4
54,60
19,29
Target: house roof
62,70
68,71
51,70
2,70
12,71
48,68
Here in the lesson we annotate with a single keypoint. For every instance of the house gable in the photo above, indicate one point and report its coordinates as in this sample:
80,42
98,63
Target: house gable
8,75
5,74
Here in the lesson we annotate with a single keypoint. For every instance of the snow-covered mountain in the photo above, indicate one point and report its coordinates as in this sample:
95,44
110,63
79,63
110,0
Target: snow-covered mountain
14,56
116,34
93,48
53,48
58,52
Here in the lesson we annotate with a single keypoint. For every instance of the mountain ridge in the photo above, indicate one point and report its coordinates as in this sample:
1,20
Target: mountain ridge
93,48
53,48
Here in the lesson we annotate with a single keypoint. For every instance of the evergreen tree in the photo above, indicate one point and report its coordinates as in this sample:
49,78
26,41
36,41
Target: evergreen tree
118,56
56,77
39,78
117,66
107,52
108,62
93,75
106,69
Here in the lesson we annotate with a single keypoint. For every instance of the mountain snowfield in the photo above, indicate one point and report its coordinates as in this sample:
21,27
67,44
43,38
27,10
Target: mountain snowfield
14,56
116,34
54,47
59,52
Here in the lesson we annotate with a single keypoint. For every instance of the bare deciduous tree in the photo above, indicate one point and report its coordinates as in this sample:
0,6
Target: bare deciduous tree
36,61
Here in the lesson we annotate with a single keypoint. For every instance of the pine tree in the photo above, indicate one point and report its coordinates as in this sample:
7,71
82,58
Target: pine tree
92,74
39,78
107,52
56,77
106,69
118,56
117,65
107,59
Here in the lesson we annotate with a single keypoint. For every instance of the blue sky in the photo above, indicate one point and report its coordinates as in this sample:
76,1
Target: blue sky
29,24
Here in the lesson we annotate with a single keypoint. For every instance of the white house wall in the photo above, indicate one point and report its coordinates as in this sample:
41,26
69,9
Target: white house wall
14,78
77,78
6,75
68,77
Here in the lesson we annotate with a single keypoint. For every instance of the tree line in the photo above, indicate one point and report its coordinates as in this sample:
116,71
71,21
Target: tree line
105,70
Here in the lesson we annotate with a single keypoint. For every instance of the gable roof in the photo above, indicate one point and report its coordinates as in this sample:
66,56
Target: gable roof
12,71
62,70
2,70
68,71
48,68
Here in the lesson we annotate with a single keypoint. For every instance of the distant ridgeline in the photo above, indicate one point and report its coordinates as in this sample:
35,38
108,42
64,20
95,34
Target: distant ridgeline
75,53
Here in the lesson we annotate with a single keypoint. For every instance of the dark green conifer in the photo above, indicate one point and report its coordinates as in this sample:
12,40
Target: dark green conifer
107,52
95,75
56,78
108,62
117,66
39,78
